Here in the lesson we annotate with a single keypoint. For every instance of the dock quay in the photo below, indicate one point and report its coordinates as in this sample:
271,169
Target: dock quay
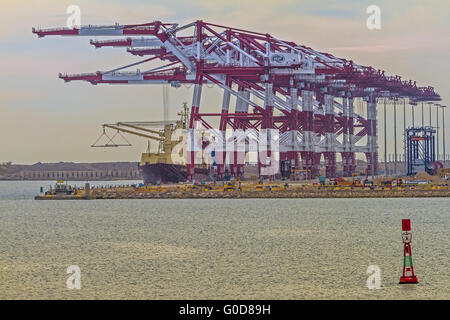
249,191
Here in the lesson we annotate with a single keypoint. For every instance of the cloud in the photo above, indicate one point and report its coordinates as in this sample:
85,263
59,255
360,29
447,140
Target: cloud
413,43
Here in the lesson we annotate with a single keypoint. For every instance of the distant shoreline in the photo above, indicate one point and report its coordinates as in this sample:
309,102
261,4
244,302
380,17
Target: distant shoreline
70,171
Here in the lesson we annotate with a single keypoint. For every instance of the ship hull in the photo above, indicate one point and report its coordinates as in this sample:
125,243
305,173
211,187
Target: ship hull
162,173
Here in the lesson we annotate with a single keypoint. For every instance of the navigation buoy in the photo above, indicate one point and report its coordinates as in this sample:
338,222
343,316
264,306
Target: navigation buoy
408,269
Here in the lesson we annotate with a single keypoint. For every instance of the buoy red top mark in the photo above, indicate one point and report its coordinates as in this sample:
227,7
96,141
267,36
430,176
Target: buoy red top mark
406,225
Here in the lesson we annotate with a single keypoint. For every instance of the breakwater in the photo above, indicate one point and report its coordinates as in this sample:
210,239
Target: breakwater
251,193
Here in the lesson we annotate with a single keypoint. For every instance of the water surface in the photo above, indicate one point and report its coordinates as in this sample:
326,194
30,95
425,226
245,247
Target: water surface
218,249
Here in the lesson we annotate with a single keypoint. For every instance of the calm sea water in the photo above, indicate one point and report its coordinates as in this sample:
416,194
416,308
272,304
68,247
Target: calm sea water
218,249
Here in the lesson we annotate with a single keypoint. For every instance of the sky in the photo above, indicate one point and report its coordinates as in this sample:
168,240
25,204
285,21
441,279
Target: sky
43,119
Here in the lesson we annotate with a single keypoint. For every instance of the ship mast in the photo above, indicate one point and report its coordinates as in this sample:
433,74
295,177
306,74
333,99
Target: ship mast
184,114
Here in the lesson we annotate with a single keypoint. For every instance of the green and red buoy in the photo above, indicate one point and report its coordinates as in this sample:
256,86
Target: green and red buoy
408,268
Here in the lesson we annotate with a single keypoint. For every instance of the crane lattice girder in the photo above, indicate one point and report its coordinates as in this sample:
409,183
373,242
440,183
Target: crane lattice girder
148,51
137,42
127,42
216,46
165,76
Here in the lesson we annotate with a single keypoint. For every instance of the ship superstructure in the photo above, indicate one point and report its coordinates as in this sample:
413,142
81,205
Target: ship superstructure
157,167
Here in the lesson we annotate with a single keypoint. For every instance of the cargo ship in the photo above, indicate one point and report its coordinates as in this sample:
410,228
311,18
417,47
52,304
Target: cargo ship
158,167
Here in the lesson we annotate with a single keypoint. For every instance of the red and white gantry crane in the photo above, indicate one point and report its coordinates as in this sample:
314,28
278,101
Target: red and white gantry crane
306,96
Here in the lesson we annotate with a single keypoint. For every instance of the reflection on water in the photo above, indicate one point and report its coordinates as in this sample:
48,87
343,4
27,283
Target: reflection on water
218,249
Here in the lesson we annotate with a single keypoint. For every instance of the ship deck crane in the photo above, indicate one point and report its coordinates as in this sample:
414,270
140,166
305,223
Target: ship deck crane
119,128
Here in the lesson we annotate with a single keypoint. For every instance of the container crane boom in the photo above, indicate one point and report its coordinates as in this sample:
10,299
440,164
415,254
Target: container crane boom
151,28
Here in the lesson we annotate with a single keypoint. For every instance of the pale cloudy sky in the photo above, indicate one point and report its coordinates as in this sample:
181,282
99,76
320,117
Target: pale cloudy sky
44,119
